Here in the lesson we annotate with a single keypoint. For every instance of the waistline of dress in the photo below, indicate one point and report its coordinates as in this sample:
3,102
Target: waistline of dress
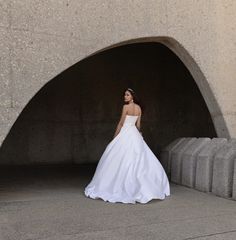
129,124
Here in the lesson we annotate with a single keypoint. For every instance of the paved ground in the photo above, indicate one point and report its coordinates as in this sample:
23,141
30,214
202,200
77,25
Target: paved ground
48,203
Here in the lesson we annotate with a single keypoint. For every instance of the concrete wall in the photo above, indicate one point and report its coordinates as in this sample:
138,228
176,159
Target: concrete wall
40,39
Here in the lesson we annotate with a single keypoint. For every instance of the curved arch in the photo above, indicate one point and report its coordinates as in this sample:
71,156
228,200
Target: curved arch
194,69
189,62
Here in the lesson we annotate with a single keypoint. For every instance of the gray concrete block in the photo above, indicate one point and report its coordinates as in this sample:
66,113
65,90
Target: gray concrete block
189,158
176,159
223,166
165,157
204,164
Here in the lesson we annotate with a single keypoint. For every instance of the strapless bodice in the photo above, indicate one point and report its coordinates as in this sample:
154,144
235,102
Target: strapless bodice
130,120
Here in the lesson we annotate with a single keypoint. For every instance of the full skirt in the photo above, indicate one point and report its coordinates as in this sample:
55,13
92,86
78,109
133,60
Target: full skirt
128,171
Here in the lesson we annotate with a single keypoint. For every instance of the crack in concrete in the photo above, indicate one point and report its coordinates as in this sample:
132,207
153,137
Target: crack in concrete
208,235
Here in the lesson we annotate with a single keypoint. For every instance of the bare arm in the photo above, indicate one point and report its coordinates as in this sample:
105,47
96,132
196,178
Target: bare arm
138,123
122,118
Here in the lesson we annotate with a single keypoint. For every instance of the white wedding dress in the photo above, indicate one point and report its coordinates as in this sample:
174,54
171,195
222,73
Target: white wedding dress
128,171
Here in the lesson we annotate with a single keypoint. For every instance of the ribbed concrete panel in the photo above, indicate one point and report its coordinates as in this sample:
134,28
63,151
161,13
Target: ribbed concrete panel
223,170
176,159
204,165
165,157
189,159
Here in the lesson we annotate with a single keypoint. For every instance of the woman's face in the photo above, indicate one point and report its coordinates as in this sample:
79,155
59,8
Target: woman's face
128,97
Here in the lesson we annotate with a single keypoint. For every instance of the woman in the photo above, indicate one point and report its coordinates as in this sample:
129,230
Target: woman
128,171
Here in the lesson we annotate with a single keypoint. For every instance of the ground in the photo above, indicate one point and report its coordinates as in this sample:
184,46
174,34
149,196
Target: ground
49,203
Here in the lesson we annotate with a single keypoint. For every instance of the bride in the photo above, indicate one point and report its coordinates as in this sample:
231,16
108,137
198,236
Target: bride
128,171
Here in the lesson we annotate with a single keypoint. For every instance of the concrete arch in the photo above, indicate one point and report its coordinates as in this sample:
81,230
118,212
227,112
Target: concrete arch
192,66
185,57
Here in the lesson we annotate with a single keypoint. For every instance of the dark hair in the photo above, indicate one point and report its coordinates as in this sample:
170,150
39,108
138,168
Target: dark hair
135,98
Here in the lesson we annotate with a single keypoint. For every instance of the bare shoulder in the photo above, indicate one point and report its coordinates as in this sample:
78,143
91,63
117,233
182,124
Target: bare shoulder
139,109
124,108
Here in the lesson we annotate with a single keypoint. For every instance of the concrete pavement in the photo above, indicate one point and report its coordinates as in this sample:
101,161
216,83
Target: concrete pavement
48,202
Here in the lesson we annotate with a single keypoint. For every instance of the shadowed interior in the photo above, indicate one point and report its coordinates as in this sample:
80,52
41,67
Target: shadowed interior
74,116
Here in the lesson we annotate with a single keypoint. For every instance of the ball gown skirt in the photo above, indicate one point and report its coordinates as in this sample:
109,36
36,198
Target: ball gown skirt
128,171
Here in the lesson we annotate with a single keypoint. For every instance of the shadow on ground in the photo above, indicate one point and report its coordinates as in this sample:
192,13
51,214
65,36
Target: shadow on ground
48,202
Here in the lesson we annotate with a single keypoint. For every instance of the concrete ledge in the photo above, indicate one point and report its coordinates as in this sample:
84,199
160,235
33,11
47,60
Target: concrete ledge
234,177
189,158
176,159
234,182
165,157
204,164
223,166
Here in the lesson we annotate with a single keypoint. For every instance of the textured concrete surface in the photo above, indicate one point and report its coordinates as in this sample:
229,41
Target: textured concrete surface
47,203
176,159
204,164
165,157
40,40
223,170
234,182
189,158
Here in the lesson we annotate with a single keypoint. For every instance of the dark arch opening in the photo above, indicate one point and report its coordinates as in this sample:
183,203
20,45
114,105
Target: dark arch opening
73,117
68,123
